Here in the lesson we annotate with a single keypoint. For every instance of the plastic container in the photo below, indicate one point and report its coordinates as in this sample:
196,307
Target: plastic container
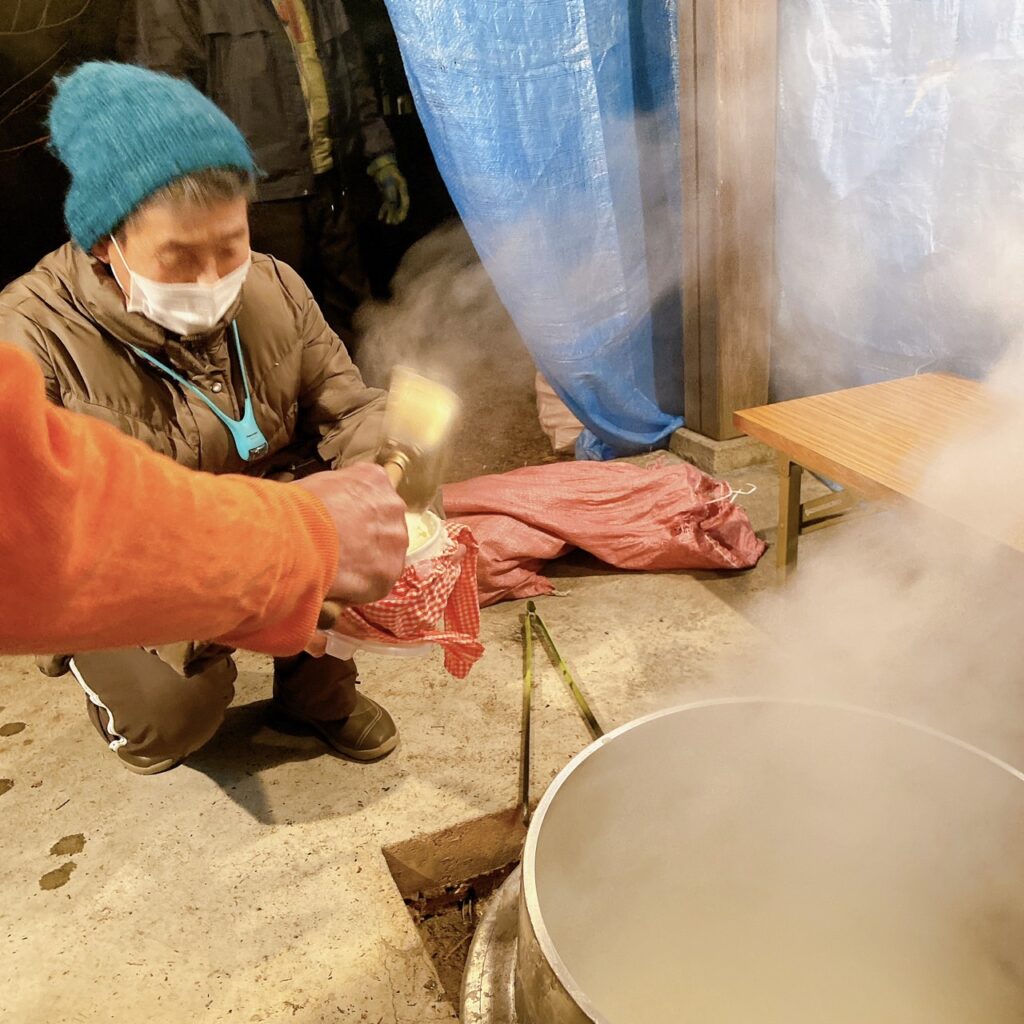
434,541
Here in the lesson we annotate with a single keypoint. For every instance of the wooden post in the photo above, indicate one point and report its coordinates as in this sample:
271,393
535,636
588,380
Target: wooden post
728,87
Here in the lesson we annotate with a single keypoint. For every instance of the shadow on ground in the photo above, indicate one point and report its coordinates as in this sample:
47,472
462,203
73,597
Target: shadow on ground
243,755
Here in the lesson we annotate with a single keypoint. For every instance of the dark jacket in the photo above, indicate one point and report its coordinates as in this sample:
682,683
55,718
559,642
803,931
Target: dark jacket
238,53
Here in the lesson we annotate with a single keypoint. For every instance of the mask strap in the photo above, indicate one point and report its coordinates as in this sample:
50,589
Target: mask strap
120,253
113,269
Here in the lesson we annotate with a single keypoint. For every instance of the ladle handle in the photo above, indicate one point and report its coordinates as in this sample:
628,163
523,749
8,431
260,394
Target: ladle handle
395,467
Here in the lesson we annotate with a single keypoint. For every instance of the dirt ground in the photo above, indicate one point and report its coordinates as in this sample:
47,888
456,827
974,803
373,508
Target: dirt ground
496,438
446,933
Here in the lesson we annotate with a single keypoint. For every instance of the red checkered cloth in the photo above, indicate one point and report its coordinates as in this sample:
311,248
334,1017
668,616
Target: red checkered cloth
442,586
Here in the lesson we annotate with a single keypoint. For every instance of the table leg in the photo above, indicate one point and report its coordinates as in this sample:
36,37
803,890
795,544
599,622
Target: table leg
790,476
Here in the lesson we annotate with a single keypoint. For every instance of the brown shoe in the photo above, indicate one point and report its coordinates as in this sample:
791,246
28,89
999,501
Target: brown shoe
133,762
368,734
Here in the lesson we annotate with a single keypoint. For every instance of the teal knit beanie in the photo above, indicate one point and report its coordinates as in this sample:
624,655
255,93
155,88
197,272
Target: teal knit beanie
124,133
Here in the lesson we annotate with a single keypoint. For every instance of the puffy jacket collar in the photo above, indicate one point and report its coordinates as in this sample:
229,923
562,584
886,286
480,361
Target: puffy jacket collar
94,286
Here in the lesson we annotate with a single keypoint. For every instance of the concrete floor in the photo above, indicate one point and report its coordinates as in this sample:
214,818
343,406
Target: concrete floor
249,884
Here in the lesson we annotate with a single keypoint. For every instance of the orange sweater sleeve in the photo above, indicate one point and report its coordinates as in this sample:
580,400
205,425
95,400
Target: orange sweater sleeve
104,543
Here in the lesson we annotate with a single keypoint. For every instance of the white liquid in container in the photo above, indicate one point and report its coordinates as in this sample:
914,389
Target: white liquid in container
420,530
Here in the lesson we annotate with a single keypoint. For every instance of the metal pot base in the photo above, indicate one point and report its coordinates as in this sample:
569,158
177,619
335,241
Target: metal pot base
488,985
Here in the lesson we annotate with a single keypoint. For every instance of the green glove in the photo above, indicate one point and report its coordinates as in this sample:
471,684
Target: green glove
393,189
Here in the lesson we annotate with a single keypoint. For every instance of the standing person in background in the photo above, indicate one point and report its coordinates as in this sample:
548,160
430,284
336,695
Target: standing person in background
291,75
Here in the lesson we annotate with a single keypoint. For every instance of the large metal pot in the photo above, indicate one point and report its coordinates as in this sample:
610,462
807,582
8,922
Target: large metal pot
767,862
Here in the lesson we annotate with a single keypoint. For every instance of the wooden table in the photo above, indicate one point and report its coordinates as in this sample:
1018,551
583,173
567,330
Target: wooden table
875,440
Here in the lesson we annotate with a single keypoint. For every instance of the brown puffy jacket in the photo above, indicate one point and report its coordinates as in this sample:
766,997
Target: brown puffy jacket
308,397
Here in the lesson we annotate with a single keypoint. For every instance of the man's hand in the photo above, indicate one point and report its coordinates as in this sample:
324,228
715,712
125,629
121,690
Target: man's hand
370,520
393,188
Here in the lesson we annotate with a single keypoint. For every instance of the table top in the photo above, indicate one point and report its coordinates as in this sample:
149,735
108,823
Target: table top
877,439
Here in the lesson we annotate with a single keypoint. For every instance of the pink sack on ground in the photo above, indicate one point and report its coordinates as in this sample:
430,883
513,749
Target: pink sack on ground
665,516
410,614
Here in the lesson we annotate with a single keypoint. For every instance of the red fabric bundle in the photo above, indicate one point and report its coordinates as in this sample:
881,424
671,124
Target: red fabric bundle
410,614
666,516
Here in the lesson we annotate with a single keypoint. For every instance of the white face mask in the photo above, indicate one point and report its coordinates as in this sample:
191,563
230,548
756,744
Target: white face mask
182,308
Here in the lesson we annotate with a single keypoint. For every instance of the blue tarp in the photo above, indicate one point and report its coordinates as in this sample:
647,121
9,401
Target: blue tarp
555,126
900,188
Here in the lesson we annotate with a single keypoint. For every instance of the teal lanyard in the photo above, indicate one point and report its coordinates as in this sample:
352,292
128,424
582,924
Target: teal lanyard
250,442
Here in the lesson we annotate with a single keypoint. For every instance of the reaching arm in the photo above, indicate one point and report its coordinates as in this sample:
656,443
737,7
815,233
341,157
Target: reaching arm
104,543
